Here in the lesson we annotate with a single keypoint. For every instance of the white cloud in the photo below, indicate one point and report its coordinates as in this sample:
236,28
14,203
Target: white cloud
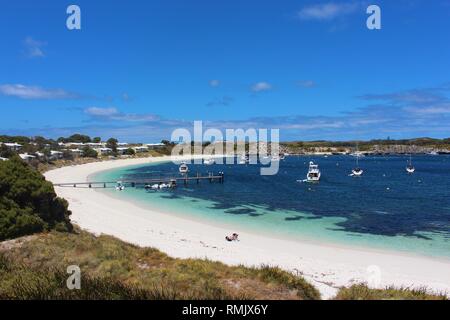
261,86
214,83
112,113
327,11
33,92
34,48
101,112
433,110
306,83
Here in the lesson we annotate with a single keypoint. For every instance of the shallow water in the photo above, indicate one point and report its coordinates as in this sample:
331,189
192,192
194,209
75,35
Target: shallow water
386,208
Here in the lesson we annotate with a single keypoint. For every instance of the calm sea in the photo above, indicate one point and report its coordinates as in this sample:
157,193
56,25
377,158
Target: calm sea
386,208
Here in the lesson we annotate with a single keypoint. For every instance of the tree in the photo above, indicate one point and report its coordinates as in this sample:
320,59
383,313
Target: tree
112,144
88,152
130,152
5,152
97,140
67,155
79,138
28,203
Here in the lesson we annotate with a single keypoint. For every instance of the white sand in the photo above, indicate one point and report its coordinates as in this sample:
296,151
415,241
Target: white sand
325,266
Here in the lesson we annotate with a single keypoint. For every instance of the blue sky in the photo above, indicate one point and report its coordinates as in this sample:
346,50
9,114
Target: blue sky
139,69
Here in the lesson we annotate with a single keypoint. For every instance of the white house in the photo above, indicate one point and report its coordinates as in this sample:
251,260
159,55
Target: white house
39,154
13,146
122,150
103,151
74,144
155,145
76,152
3,159
96,144
140,149
26,156
56,154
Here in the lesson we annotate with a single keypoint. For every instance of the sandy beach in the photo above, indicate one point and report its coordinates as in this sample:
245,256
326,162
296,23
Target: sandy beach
325,266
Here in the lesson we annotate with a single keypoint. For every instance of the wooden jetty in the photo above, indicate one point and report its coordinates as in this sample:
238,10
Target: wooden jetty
185,179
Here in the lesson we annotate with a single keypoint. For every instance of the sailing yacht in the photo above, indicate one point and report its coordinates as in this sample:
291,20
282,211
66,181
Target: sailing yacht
357,172
410,168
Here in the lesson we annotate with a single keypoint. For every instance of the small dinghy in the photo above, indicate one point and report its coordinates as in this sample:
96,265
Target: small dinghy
119,186
244,159
209,161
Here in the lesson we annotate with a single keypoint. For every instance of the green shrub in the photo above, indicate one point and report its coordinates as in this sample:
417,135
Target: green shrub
28,203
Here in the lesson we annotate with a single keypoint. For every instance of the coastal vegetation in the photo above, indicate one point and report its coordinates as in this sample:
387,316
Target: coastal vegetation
28,203
34,268
363,292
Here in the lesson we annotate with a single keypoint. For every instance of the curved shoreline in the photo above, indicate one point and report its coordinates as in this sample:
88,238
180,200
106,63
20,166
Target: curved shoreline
325,266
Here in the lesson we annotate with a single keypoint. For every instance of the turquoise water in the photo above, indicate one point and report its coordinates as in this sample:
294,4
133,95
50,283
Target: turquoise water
384,209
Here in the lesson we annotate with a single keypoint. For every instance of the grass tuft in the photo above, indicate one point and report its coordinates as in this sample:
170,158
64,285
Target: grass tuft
363,292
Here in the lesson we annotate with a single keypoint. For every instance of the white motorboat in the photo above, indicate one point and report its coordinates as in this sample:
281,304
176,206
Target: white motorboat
209,161
244,159
313,173
184,169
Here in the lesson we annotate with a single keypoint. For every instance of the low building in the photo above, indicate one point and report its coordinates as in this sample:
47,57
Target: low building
3,159
26,157
74,144
54,154
155,145
140,149
12,146
96,144
76,152
122,150
40,155
103,151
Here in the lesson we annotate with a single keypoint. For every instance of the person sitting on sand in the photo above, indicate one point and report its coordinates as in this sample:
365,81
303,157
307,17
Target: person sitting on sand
233,237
